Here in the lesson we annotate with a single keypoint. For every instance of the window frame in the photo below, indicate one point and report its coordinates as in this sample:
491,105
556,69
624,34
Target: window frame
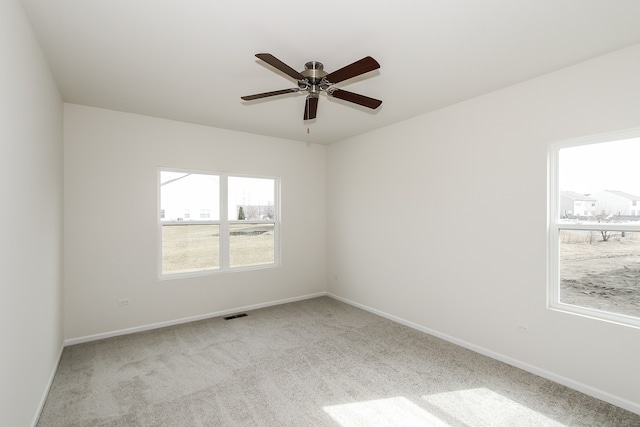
554,226
223,223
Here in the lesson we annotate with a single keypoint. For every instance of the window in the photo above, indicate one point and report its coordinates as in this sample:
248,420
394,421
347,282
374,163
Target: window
594,261
251,216
245,237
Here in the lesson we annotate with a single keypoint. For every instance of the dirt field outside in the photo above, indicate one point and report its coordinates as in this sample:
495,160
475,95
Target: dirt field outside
194,247
603,275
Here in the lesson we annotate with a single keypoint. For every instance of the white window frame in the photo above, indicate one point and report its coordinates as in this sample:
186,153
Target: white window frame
226,224
554,227
223,223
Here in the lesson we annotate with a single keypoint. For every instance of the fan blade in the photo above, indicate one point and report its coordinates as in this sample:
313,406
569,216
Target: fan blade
365,101
310,107
266,94
359,67
276,63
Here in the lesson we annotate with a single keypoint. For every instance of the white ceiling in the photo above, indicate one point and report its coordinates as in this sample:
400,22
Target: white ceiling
191,60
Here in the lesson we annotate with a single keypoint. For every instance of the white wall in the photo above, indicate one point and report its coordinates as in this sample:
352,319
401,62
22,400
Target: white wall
474,278
111,160
30,221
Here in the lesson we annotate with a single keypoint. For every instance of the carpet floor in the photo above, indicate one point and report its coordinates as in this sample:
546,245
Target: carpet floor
317,362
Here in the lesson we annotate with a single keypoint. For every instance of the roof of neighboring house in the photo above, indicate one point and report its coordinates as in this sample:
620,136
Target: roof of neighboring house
623,194
577,196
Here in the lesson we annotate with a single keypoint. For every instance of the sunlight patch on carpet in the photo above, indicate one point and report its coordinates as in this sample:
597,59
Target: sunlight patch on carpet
392,412
484,407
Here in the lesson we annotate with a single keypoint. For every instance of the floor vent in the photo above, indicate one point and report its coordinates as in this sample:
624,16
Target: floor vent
235,316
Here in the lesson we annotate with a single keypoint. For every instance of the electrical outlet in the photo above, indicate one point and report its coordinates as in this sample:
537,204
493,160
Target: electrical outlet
123,301
525,329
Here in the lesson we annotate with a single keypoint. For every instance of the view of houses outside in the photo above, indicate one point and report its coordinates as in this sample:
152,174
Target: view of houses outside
600,205
600,184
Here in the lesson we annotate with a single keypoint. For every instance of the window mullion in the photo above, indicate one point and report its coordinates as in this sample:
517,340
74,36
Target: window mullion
224,221
276,223
600,227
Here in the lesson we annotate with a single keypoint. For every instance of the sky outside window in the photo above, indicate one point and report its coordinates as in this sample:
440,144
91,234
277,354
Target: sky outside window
613,165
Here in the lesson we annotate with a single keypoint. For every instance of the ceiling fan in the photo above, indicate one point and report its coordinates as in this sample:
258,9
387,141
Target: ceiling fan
315,80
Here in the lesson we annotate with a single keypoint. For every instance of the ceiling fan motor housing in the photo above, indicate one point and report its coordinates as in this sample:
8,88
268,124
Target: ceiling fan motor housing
314,80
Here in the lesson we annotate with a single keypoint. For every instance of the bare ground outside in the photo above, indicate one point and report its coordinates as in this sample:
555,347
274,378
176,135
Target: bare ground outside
604,275
195,247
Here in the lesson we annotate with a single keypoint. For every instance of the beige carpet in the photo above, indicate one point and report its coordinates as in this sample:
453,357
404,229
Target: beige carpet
317,362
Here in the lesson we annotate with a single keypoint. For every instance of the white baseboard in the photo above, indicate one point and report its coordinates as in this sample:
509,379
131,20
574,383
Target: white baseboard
583,388
142,328
43,400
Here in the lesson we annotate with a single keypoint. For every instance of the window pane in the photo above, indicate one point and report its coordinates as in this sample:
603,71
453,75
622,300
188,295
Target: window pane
600,182
251,244
183,193
190,247
251,198
601,270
